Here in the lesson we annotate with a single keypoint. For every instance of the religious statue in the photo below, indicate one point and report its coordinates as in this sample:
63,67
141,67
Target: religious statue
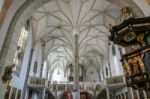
140,38
7,76
126,69
126,13
134,66
138,65
129,37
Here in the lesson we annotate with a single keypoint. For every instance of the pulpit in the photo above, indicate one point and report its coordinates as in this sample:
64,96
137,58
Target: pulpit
136,68
134,33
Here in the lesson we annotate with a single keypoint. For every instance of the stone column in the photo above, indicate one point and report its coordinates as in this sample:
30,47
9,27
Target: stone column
144,93
43,94
76,62
2,90
94,93
108,93
27,74
10,93
55,94
125,96
55,91
16,94
41,70
131,95
137,93
121,96
26,93
43,49
76,67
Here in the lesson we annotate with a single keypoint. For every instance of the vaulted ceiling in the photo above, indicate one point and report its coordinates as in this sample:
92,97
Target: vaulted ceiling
56,23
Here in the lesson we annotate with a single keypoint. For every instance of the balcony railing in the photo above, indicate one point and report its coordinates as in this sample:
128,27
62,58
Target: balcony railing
88,86
115,80
37,82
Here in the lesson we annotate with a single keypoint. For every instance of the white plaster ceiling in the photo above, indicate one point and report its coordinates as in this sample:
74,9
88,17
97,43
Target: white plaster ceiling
59,20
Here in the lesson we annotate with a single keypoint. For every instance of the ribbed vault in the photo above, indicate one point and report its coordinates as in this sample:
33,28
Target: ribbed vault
56,23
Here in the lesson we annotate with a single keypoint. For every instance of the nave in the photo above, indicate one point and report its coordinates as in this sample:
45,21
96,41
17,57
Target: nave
74,49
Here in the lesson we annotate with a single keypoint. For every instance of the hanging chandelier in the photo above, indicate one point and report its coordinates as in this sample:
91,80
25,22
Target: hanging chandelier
134,32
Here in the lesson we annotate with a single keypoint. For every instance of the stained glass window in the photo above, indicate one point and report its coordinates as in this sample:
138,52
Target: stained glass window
20,50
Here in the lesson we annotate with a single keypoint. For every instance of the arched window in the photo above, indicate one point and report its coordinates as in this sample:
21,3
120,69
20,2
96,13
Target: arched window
20,50
113,50
106,71
35,67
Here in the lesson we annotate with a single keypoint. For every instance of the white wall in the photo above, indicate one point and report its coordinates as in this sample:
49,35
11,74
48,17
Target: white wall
59,77
91,77
37,56
144,6
116,66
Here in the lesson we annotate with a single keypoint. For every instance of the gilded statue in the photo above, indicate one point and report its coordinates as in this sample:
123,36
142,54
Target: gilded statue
126,13
140,59
7,76
135,65
126,69
129,37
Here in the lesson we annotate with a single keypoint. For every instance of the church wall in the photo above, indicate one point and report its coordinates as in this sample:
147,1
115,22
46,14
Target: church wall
115,63
59,77
111,61
144,6
106,69
17,82
119,62
91,74
37,56
10,13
